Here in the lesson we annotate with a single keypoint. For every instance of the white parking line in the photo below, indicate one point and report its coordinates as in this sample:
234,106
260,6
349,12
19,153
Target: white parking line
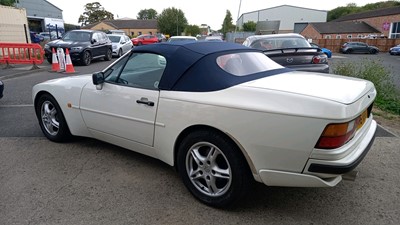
15,106
339,57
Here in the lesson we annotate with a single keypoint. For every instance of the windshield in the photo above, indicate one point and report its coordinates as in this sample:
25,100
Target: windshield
77,36
114,39
279,43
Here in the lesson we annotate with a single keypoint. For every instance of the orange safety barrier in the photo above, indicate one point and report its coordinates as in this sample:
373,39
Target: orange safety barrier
19,53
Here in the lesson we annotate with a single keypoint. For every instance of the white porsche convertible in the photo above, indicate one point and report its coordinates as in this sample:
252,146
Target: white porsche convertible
222,114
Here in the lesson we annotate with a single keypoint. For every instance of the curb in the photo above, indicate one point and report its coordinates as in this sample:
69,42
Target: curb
21,73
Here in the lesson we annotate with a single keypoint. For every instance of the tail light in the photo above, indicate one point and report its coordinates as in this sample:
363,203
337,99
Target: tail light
319,59
336,135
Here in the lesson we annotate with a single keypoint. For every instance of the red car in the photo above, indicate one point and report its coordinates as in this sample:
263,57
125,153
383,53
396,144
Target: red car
144,39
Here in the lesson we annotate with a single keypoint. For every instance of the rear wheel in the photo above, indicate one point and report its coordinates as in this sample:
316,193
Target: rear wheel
349,51
108,56
51,119
213,168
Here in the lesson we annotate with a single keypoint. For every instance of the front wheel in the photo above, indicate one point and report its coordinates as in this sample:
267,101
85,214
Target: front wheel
51,119
373,51
119,53
213,168
86,58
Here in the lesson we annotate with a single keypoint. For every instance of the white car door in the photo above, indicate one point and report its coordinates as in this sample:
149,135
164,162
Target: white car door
126,105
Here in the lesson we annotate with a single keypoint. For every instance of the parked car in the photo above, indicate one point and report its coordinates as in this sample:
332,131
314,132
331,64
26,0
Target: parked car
182,38
120,44
395,50
290,50
284,127
35,38
49,37
83,46
161,37
144,39
358,47
213,38
326,51
1,89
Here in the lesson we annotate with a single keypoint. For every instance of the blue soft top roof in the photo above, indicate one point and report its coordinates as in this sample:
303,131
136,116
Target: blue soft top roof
191,66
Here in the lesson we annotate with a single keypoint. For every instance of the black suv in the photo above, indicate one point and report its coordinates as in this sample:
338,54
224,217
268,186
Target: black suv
83,46
290,50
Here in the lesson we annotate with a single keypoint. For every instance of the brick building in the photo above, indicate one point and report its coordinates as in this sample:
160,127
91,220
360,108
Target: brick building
131,27
386,20
339,30
385,23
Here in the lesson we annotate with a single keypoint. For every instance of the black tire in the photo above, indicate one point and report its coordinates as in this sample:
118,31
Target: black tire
51,119
119,53
373,51
225,170
349,51
50,60
86,58
108,56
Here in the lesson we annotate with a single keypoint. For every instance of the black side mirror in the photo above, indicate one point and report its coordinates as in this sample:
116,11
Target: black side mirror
93,41
98,78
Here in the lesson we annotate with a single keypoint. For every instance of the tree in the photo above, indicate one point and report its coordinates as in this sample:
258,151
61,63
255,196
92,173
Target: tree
192,30
7,2
94,12
147,14
227,25
249,26
353,8
172,21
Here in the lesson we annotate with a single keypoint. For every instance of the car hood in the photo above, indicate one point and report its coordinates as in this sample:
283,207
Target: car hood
69,44
345,90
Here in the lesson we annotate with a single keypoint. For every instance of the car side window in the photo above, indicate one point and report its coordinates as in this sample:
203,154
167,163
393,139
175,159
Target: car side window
143,70
96,37
111,74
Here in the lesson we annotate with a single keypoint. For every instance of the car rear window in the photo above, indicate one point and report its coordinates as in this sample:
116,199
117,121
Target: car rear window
280,43
246,63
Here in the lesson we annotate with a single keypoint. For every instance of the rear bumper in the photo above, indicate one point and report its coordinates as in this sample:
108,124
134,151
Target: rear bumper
317,68
329,168
321,173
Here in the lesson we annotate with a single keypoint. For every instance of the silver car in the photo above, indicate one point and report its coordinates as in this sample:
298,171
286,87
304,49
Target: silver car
120,44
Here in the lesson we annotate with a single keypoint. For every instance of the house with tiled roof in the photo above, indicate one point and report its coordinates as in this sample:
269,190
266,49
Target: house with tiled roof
339,30
386,20
131,27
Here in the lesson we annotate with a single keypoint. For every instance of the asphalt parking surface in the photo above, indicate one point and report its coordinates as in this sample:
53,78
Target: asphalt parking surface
87,181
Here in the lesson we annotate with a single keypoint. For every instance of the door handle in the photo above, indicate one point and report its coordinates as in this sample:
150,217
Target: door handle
145,101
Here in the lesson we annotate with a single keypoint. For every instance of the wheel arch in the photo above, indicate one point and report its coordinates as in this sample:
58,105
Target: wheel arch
194,128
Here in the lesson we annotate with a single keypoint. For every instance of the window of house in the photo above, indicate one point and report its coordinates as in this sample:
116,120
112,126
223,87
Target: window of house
140,32
328,37
132,33
338,36
350,36
395,32
360,36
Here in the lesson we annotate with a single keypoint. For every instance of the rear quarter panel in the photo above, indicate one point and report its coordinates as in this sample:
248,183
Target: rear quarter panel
276,131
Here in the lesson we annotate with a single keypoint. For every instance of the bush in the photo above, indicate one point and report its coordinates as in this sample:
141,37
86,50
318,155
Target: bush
388,98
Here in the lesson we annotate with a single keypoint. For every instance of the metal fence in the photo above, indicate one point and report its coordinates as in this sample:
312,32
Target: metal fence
237,37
